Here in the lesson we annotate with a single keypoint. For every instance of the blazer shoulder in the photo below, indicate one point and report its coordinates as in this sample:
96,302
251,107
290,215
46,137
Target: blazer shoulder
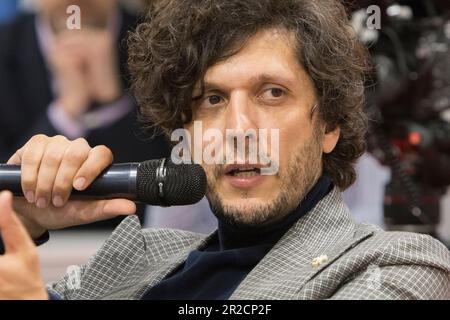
396,247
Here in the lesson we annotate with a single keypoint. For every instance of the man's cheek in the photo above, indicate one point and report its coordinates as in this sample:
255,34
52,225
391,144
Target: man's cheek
211,173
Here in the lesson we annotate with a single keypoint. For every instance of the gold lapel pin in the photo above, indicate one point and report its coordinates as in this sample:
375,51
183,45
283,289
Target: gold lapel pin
320,260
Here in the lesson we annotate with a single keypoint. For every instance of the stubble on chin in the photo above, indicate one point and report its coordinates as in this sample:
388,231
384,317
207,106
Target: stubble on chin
297,178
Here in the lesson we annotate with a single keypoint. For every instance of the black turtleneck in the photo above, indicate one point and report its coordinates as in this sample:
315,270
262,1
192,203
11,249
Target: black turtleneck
215,271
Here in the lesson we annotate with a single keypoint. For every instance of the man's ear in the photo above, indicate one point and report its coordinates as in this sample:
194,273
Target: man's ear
330,139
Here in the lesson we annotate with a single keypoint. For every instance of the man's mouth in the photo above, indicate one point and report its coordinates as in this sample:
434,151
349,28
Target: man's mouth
244,175
242,170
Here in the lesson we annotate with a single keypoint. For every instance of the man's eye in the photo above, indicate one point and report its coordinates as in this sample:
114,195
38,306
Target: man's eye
272,93
211,101
214,99
276,92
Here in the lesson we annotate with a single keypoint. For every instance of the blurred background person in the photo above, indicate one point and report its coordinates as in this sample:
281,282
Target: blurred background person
55,80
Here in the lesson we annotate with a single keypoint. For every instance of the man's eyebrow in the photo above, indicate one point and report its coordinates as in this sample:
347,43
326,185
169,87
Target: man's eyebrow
211,86
272,78
261,78
203,87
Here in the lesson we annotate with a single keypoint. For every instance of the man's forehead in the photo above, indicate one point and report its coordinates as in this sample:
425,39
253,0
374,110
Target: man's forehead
266,55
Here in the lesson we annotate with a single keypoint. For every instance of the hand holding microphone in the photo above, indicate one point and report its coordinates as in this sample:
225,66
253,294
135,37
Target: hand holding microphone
50,167
46,170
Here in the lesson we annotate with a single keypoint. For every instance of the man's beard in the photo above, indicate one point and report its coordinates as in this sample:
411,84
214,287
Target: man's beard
302,172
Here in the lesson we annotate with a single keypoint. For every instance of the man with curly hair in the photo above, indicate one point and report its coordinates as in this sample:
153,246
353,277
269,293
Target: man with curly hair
293,66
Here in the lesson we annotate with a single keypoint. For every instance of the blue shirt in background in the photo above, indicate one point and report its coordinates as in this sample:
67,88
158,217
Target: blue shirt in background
8,10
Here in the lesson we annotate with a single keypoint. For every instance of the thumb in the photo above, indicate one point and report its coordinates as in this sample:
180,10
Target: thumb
15,236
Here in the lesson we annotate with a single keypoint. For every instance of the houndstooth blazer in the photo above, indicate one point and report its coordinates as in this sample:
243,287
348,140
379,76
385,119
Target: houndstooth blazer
325,255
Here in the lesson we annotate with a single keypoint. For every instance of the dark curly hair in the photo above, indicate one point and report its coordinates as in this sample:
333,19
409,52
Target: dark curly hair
178,40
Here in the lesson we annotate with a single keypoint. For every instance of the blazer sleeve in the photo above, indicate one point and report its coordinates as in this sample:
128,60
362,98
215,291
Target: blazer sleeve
400,282
411,266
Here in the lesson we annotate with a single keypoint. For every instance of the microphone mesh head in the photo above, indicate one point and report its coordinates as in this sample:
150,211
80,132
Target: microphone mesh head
183,183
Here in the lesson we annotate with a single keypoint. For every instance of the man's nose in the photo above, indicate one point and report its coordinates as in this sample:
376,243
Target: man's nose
239,114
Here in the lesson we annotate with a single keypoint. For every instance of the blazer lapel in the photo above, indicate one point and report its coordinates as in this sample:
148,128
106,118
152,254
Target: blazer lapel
133,259
166,250
116,264
327,232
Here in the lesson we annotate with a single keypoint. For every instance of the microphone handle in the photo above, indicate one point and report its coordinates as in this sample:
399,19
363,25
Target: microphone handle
117,181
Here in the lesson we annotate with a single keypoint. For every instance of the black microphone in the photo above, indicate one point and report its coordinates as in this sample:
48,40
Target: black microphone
156,182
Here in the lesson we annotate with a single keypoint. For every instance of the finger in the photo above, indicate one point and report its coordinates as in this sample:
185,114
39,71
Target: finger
48,170
73,159
15,158
15,237
31,161
98,160
83,212
115,207
74,43
74,50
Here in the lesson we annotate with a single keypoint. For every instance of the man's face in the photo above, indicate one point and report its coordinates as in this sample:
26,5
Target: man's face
93,12
263,86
